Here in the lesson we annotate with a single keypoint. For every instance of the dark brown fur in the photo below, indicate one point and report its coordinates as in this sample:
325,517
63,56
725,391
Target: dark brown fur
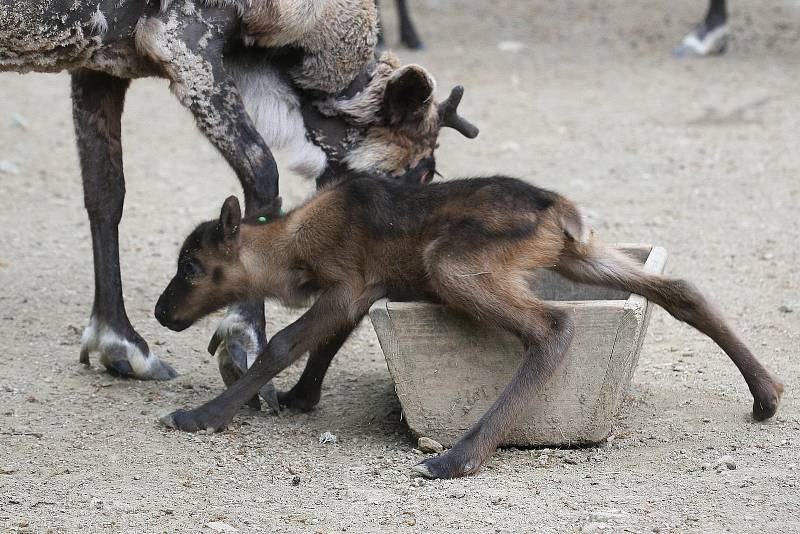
471,244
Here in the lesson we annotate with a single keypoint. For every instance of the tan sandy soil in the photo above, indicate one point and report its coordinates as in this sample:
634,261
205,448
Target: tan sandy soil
699,156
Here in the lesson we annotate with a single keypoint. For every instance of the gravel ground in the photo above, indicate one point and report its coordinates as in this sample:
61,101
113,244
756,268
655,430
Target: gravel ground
698,156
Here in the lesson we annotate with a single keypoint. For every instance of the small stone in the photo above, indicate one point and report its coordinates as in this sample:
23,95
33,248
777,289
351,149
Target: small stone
296,480
606,517
595,526
572,461
725,462
785,309
219,526
416,451
327,437
6,167
510,46
19,121
429,445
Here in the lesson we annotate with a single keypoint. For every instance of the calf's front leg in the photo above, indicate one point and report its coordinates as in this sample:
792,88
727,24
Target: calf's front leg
334,311
97,100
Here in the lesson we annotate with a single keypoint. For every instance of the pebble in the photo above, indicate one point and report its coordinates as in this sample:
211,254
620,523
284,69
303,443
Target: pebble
785,309
6,167
327,437
606,517
429,445
219,526
510,46
725,462
595,526
296,480
19,121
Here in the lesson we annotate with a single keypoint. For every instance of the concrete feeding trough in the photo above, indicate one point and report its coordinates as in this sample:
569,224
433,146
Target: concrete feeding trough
448,370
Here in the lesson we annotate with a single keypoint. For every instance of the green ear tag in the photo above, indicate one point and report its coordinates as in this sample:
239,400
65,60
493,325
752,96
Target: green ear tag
262,219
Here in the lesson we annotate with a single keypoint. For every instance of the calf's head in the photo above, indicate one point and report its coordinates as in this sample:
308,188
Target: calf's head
210,272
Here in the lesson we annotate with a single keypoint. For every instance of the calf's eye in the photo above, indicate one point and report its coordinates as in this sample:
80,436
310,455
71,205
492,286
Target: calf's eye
191,269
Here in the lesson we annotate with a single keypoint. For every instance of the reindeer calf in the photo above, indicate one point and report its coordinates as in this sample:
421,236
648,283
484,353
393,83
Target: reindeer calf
472,244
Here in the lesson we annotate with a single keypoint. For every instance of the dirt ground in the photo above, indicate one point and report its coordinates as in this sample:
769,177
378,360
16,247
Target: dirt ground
699,156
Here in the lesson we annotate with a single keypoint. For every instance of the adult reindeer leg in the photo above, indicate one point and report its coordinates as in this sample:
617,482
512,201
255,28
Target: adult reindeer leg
97,100
710,37
408,33
189,50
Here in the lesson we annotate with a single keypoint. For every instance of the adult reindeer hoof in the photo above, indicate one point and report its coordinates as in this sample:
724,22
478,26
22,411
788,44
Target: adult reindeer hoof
450,464
236,345
127,356
412,42
703,42
765,406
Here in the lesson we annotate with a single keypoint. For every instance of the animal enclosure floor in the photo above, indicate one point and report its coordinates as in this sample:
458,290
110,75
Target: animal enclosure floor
699,156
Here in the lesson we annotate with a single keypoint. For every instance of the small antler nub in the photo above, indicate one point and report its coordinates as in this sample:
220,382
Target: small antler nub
448,114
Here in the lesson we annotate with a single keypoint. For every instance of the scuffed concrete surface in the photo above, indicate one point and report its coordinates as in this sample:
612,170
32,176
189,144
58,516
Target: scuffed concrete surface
698,156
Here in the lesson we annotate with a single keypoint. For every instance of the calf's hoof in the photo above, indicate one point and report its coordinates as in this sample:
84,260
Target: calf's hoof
449,464
194,420
766,405
297,401
123,355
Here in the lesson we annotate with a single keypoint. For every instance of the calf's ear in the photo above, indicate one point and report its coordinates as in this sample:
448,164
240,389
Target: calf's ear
408,92
230,218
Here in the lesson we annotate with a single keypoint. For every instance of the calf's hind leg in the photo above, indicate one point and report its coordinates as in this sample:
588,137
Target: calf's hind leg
306,393
595,263
97,100
502,299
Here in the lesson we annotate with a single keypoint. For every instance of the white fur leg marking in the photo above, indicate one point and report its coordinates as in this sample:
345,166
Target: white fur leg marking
99,337
712,43
234,325
275,109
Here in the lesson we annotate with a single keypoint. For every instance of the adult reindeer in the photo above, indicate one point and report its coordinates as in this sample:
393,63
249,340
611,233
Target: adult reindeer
317,92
